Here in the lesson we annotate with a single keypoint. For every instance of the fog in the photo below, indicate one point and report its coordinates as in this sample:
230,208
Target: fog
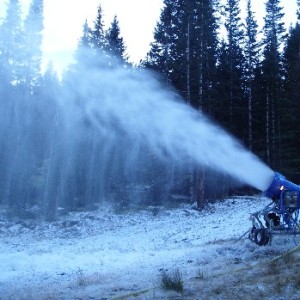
107,130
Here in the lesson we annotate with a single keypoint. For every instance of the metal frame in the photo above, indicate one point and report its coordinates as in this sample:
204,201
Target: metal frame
280,217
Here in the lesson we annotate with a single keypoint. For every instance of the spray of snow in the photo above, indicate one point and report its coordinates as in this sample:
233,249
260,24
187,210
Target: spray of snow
103,131
138,104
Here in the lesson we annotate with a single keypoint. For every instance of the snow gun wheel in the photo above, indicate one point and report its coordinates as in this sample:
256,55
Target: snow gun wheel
261,236
251,233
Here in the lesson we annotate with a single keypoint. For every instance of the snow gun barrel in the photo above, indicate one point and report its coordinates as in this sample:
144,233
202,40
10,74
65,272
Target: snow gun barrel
278,185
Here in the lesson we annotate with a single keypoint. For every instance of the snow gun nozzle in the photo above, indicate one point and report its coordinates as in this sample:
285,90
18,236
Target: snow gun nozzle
279,184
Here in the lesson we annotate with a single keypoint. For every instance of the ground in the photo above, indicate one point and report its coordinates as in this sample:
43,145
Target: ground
109,255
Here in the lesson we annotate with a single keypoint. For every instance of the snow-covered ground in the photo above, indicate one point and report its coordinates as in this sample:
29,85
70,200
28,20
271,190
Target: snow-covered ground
104,255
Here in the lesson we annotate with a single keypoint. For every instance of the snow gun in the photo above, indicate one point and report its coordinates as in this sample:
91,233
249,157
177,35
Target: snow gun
281,216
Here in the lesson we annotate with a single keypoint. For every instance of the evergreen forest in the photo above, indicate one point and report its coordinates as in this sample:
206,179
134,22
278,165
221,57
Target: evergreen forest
244,80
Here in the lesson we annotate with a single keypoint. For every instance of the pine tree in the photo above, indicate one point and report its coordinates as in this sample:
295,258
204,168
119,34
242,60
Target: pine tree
292,87
231,64
272,85
85,40
162,56
202,63
11,44
32,55
206,26
10,49
116,46
184,51
98,39
251,50
97,33
84,55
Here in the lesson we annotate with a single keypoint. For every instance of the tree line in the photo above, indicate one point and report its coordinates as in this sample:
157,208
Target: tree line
248,85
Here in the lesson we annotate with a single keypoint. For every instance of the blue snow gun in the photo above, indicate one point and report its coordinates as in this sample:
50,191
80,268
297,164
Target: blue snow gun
284,191
282,216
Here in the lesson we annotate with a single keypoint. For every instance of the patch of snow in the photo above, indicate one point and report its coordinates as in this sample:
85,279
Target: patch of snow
105,254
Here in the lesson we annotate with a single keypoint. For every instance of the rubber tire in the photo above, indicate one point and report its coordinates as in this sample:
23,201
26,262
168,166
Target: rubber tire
251,233
261,237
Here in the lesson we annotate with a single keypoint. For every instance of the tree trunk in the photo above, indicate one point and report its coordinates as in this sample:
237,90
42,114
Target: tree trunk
250,139
200,189
267,127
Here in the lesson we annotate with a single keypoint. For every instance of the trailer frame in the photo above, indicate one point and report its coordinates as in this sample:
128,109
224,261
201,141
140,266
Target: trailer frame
280,217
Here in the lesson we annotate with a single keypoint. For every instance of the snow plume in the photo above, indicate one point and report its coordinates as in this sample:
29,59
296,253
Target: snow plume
108,133
135,103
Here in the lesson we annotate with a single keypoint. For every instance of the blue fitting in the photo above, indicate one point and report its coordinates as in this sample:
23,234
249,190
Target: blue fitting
279,184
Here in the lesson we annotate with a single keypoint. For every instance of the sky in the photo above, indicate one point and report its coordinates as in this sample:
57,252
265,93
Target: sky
137,19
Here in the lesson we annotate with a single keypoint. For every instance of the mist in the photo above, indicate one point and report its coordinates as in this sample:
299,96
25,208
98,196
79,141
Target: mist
109,133
138,104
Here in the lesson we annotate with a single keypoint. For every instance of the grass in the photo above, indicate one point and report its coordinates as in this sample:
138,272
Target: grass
172,281
200,275
86,280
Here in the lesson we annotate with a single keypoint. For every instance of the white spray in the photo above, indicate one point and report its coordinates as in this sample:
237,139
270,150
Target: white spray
147,111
